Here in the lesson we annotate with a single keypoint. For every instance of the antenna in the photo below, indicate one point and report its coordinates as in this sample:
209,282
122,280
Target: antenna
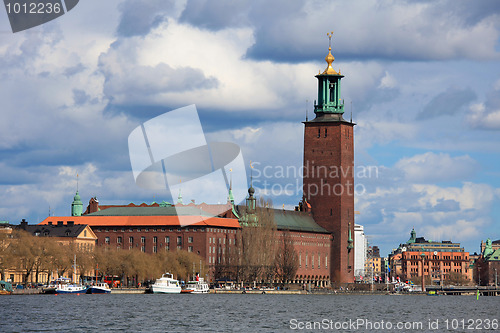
351,112
307,102
77,181
251,174
330,34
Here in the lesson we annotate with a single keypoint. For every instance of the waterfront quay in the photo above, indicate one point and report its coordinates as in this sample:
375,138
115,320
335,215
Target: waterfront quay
39,291
456,291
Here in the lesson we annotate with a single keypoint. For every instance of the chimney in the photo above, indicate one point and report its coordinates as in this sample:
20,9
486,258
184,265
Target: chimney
71,223
24,223
60,223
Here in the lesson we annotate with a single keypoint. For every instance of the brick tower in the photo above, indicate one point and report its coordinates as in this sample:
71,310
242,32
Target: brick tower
328,176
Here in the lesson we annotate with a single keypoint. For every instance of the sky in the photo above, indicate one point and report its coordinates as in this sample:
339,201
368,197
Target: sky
422,82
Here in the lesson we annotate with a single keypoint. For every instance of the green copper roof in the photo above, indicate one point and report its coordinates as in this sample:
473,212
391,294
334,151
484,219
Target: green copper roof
296,221
77,199
76,205
151,211
495,256
413,236
286,220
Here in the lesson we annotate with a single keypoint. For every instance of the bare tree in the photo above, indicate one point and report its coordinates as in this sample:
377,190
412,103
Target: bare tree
287,262
257,245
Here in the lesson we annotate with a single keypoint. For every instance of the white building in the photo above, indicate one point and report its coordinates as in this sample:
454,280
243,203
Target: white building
359,251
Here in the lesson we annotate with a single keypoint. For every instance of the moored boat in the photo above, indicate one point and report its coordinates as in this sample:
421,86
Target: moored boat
166,285
99,288
198,286
5,288
63,285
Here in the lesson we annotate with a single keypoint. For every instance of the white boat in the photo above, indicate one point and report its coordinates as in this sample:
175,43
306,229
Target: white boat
63,285
199,286
166,285
99,288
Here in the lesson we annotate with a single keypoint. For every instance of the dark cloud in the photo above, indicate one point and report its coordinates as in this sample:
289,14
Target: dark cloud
138,83
468,12
70,71
487,115
216,15
446,206
139,17
80,97
436,31
447,103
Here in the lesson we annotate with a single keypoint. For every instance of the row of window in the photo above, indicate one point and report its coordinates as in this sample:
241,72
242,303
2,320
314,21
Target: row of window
119,240
435,257
212,240
312,260
155,248
139,229
445,270
436,264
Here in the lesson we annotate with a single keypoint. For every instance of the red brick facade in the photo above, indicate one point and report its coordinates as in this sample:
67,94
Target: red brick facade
212,240
314,251
329,188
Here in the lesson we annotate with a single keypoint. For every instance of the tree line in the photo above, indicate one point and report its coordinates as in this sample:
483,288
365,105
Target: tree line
37,256
261,253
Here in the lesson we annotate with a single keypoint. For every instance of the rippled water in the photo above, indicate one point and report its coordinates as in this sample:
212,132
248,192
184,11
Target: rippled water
246,313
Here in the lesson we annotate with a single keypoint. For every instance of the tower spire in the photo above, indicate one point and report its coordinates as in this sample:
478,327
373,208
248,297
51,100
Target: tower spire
179,197
330,58
230,196
77,205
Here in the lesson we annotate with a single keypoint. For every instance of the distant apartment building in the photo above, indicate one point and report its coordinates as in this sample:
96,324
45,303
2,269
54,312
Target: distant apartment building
487,266
360,248
438,260
374,268
495,245
65,233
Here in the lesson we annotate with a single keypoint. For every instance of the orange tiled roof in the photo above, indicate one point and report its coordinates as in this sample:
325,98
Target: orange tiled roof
145,221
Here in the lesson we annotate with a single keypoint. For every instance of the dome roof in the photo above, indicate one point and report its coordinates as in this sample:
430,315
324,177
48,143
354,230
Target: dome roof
329,59
77,199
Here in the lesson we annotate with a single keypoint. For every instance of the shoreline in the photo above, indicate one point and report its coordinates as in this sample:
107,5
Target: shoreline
140,291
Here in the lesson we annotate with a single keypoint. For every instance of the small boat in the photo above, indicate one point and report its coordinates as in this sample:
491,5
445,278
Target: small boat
198,286
99,288
5,288
63,285
166,285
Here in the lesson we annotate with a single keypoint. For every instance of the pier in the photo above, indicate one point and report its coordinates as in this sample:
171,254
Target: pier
465,290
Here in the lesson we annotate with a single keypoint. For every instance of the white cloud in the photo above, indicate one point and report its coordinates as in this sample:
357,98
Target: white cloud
372,131
431,167
392,30
480,118
458,231
388,81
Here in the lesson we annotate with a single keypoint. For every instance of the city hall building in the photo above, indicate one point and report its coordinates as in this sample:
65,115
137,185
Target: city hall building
156,227
321,227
